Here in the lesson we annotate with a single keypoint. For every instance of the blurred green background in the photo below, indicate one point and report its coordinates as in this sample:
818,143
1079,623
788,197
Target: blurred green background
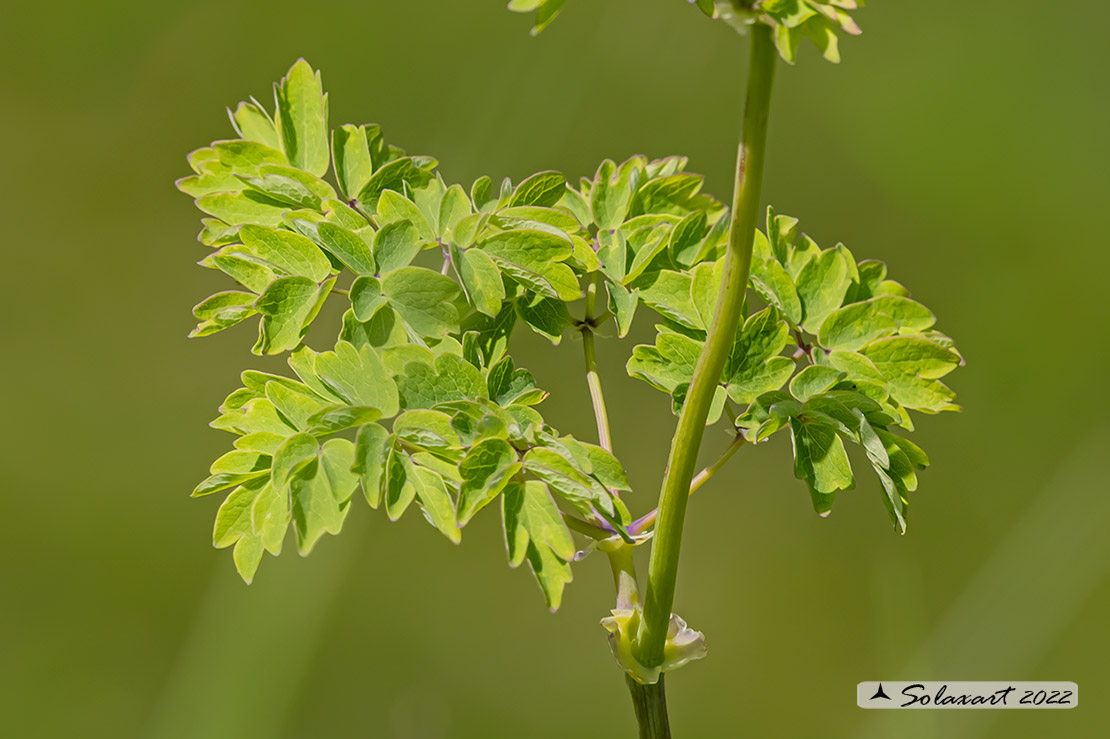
963,143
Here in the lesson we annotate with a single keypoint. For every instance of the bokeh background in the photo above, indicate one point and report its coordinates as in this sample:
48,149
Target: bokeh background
963,143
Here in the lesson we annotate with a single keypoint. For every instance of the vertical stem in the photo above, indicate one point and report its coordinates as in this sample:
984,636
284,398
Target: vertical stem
593,379
663,571
650,703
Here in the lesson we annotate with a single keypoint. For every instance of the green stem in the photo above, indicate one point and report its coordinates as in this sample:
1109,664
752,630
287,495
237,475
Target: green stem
650,703
663,570
593,379
703,476
645,522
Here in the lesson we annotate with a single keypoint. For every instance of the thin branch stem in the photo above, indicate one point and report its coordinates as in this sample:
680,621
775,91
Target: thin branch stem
593,379
663,570
646,521
447,261
703,477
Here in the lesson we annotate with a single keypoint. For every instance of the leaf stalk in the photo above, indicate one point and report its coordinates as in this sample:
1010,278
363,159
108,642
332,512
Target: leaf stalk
593,379
646,521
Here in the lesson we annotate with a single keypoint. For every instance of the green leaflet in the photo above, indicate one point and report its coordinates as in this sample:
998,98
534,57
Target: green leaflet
491,334
822,284
535,260
622,303
486,470
773,283
358,377
395,245
348,247
255,415
332,420
435,502
428,429
534,531
321,492
303,118
767,414
290,186
813,380
223,481
240,462
855,325
508,385
686,238
295,406
247,555
481,279
424,299
209,183
397,490
648,246
289,252
541,190
243,158
287,306
366,297
912,367
351,156
343,215
606,468
393,207
221,311
754,366
371,446
394,176
250,274
668,293
453,208
451,378
546,316
384,328
716,407
574,486
295,453
253,123
481,194
820,459
555,221
612,254
238,208
675,194
668,364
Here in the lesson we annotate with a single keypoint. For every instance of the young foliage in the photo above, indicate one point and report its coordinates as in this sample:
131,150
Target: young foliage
417,402
792,21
